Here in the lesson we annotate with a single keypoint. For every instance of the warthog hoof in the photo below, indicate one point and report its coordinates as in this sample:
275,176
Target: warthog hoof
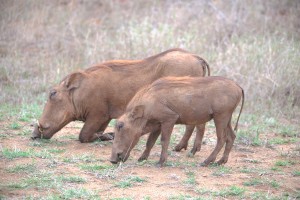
222,161
107,136
142,158
180,146
194,150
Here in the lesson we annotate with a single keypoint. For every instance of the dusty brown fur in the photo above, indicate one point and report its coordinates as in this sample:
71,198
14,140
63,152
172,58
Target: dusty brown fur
178,100
101,93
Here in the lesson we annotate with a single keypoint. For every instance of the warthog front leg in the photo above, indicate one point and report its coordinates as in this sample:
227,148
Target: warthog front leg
93,130
166,130
150,142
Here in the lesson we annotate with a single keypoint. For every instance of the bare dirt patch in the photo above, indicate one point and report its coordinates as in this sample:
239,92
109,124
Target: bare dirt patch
63,164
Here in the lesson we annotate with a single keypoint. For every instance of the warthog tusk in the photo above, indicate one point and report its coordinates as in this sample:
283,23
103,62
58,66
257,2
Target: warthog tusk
39,127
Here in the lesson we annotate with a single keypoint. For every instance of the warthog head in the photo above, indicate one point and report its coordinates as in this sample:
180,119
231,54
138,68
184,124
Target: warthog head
128,130
59,109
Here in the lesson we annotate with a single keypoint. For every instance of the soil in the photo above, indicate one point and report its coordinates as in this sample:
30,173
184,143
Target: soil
167,182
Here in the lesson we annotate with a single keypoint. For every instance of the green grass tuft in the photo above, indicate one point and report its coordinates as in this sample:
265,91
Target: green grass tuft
191,178
72,179
274,168
22,168
77,193
124,184
185,197
129,181
15,126
253,182
231,191
95,167
221,170
296,173
56,150
15,153
282,163
274,184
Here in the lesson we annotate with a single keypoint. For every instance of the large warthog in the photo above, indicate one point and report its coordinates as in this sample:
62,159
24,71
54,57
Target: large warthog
178,100
101,93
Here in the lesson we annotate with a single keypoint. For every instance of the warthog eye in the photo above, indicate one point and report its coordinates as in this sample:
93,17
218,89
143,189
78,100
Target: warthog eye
119,125
52,93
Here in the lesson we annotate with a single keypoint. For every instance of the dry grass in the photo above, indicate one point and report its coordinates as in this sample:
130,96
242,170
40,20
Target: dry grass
256,43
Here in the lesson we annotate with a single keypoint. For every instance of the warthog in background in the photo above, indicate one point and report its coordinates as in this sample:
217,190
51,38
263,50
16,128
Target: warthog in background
101,93
178,100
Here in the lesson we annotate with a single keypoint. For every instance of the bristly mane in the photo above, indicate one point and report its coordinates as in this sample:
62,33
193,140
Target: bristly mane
164,53
127,65
183,81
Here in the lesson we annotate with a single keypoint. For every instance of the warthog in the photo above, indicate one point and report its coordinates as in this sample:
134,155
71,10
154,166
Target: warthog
101,93
178,100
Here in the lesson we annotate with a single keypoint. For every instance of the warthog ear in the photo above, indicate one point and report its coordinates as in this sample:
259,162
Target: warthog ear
73,80
138,112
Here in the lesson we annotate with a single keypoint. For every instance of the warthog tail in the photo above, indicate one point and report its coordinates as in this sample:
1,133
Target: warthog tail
205,65
237,121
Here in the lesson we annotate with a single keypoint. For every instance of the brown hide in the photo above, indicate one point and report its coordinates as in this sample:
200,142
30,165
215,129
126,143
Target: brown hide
178,100
101,93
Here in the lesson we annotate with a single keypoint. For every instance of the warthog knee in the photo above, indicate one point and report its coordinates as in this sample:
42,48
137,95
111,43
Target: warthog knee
84,139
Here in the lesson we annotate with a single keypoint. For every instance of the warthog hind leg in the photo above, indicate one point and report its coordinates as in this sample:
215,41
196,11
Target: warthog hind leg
221,122
198,139
185,139
229,143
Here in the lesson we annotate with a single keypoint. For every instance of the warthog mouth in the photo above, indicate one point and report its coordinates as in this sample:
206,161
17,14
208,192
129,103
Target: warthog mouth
123,156
39,132
117,159
114,161
120,158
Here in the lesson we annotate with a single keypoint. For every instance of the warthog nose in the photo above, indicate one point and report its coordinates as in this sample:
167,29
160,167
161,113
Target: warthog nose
114,162
116,159
119,156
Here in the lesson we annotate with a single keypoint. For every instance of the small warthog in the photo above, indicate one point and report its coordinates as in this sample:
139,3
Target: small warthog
101,93
178,100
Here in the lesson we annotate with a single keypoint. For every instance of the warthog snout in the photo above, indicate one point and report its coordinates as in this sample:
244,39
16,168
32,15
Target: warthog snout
116,158
38,131
114,161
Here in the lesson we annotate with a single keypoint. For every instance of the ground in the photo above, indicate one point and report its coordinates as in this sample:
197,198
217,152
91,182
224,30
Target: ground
64,168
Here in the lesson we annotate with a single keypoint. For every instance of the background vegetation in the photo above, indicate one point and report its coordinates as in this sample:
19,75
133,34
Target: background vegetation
254,42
